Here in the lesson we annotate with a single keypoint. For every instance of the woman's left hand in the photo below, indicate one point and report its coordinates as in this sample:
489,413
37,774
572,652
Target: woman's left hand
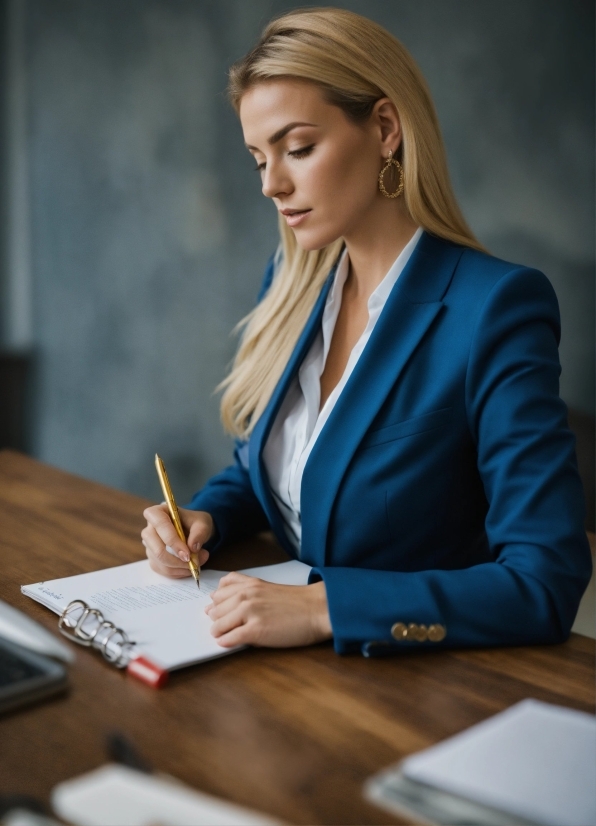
250,611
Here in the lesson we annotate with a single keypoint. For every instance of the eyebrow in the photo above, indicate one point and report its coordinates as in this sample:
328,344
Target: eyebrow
281,133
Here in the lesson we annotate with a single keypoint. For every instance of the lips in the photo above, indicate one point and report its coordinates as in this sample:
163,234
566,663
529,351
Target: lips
295,216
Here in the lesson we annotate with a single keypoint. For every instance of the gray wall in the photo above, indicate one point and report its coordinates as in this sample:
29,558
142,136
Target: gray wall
149,233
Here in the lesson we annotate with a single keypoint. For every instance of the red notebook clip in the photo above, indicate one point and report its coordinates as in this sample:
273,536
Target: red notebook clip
146,671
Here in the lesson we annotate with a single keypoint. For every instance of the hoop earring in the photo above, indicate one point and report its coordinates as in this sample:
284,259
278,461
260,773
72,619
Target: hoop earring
388,164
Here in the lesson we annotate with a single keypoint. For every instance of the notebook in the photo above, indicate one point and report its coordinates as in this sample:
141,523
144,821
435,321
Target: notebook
533,763
164,617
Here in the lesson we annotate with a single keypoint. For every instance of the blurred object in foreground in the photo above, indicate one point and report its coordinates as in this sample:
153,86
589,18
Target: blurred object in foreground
116,795
531,764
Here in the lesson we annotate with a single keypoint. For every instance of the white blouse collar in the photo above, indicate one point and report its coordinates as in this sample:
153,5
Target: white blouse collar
378,297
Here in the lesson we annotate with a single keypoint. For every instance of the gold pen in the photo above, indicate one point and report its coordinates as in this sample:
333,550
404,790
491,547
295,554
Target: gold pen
193,562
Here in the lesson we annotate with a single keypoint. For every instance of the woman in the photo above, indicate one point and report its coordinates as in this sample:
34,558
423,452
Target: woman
395,394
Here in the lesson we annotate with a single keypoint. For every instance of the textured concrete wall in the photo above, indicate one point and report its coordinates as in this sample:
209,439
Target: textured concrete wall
150,233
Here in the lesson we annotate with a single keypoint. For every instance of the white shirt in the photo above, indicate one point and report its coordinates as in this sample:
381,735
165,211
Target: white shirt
298,422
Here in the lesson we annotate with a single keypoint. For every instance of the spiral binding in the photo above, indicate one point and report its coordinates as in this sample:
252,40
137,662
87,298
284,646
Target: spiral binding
87,626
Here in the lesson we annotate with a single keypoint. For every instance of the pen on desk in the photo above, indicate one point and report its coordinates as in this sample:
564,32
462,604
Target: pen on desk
193,562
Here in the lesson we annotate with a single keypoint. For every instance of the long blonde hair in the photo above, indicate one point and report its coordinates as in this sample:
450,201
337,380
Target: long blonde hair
355,62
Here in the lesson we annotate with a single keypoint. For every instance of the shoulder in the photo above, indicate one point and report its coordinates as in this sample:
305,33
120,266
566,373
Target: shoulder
485,275
484,285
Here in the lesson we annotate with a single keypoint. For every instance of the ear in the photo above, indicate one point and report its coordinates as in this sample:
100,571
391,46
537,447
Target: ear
385,117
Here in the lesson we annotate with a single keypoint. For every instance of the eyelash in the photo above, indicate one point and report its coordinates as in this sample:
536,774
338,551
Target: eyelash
297,153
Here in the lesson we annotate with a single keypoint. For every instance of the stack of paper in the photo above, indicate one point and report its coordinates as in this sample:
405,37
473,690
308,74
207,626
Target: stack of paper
534,762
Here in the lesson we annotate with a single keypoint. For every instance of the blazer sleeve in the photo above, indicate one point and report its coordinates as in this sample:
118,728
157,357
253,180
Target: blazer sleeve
230,500
229,496
541,562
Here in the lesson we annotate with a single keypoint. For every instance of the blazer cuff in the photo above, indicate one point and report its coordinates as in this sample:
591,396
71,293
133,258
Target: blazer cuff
366,606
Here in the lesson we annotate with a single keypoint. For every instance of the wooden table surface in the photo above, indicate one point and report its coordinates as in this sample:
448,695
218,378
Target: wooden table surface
293,733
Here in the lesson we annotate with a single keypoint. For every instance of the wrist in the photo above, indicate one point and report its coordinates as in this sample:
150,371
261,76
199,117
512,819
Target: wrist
321,618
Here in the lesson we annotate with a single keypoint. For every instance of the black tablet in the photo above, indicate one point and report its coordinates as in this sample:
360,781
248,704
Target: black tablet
26,677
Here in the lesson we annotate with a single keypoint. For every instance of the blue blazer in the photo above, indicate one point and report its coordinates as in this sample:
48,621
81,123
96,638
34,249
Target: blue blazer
443,489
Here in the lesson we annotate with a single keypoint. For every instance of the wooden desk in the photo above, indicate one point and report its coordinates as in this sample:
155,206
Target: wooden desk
292,733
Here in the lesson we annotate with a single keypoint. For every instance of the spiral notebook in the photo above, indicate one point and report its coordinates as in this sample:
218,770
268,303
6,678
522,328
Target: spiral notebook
130,612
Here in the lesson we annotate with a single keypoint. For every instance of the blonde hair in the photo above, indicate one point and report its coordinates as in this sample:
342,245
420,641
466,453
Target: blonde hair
355,62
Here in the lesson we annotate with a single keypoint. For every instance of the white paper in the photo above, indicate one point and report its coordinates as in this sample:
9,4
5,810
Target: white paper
118,796
165,617
534,760
285,573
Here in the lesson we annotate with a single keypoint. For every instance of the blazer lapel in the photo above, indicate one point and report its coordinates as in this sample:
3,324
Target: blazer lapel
412,306
256,468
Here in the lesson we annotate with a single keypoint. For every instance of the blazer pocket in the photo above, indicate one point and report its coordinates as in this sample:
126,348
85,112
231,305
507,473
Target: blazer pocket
428,421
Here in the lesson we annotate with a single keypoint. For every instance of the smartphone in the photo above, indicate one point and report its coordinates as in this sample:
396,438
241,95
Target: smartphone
26,677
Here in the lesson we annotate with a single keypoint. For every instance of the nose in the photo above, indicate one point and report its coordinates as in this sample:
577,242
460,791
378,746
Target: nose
276,181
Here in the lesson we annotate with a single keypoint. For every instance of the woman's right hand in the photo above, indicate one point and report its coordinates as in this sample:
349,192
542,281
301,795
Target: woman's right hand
160,532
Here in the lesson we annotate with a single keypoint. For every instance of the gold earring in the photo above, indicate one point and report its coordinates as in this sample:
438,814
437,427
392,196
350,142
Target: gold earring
400,186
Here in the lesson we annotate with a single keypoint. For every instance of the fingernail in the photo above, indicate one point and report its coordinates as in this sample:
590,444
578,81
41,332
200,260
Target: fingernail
184,555
197,546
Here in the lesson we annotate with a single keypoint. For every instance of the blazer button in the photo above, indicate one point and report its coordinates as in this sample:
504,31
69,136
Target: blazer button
412,632
436,633
422,633
399,631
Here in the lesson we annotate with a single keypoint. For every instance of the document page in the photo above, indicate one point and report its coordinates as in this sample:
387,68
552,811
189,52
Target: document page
165,617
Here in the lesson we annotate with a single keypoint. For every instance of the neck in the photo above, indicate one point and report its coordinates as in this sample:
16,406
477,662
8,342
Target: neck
376,242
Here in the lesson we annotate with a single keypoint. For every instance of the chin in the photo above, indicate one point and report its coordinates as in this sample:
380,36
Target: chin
311,241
